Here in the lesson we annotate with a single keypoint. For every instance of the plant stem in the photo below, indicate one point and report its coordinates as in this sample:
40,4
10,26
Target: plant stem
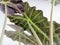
35,35
51,23
3,29
19,40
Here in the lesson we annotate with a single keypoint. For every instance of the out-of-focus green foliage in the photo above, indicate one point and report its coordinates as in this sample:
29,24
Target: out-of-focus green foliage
57,2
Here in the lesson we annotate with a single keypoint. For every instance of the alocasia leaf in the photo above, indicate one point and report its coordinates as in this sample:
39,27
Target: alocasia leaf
36,16
15,35
19,33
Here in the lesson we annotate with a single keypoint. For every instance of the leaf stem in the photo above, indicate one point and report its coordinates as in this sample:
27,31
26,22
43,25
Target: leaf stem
35,35
51,23
3,29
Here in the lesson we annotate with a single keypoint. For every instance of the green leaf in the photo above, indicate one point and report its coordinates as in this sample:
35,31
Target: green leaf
36,19
35,16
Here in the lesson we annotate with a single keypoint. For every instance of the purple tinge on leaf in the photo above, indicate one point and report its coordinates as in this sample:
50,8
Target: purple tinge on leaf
2,8
21,7
9,10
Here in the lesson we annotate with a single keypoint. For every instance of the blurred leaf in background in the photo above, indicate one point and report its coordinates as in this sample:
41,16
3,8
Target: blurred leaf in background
14,6
57,2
